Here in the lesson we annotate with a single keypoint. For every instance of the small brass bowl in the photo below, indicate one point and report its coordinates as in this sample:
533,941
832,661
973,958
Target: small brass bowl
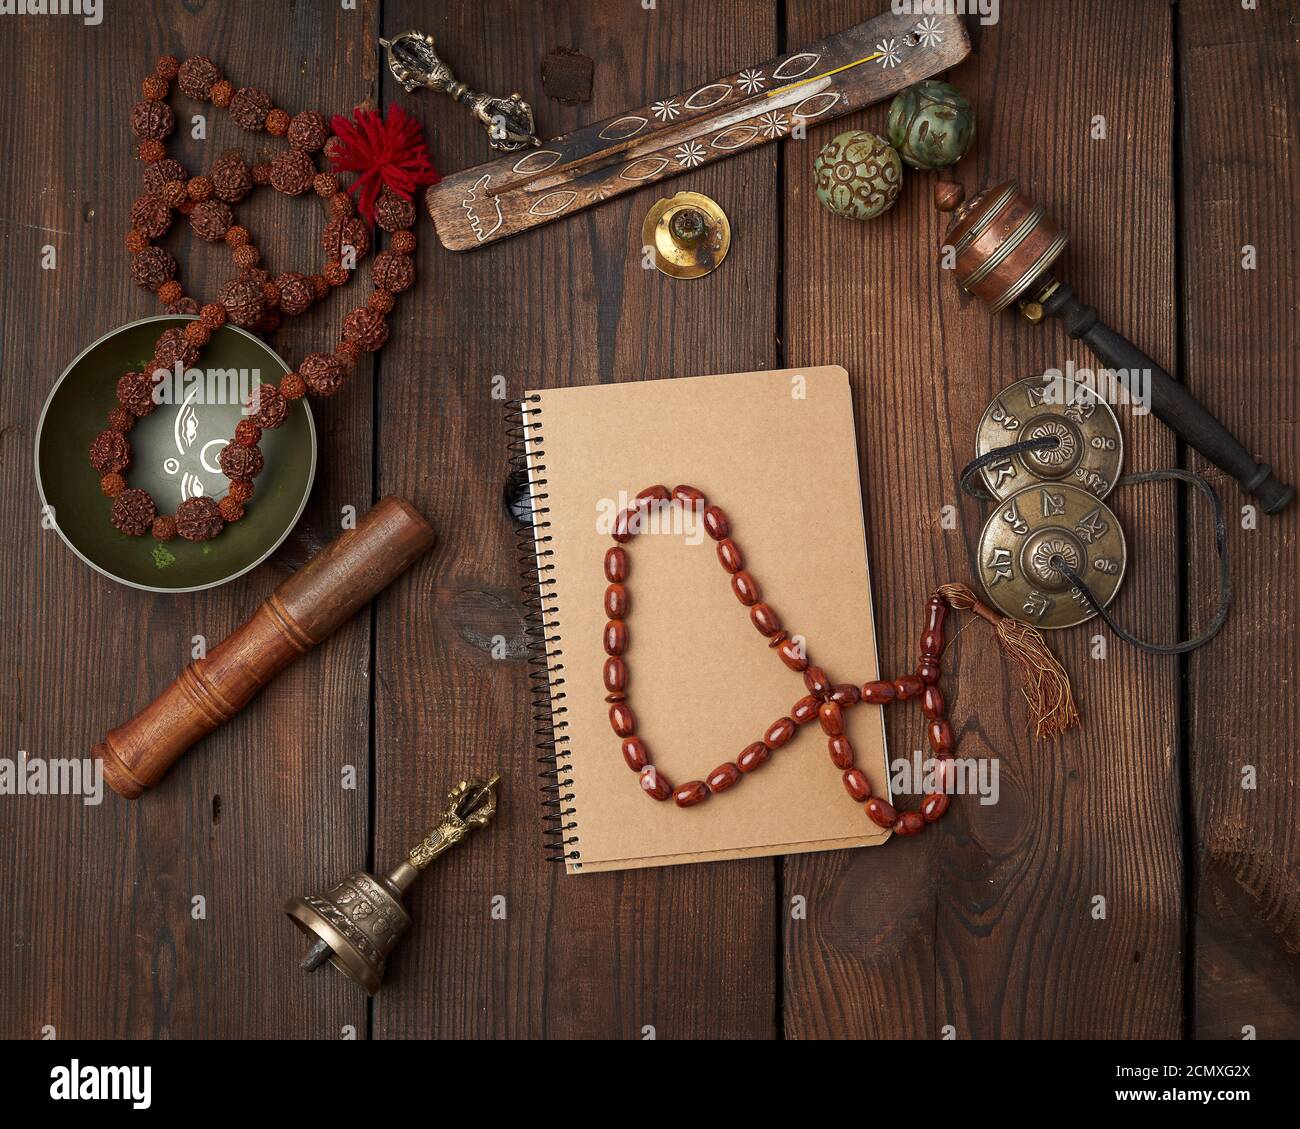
175,457
690,234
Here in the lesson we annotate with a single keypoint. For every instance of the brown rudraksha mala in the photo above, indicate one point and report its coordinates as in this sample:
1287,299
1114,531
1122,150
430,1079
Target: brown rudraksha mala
1046,685
391,162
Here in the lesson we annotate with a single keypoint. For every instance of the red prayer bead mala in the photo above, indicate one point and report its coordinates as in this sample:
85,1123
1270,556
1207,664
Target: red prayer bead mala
1047,690
391,160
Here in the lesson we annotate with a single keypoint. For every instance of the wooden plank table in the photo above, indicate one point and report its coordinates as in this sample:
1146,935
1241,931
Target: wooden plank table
983,929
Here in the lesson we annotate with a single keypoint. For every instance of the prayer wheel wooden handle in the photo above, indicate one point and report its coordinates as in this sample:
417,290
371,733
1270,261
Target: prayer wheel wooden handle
1171,403
303,611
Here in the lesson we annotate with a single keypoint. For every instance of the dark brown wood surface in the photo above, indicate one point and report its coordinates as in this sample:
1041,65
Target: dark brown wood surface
100,937
984,927
1239,191
566,304
1000,902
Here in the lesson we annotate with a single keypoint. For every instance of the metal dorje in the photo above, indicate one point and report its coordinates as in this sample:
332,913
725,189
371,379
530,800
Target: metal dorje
690,235
414,63
1089,449
1025,541
358,922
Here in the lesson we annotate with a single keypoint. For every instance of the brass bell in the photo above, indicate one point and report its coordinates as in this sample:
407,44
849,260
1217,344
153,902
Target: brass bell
358,922
690,235
1089,448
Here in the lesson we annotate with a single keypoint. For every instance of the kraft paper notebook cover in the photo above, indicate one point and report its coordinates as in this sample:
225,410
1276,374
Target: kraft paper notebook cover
777,452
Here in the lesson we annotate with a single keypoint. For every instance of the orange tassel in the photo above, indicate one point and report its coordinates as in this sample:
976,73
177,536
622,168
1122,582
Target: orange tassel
1045,683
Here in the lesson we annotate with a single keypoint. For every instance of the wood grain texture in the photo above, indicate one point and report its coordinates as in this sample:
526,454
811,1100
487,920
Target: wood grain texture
298,616
592,955
984,924
98,935
1240,182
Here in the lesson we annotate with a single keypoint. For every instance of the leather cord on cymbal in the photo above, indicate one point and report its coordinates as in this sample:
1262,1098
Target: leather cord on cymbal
972,468
1220,543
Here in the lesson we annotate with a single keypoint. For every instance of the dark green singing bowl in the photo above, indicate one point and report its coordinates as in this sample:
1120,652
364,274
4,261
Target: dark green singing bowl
175,449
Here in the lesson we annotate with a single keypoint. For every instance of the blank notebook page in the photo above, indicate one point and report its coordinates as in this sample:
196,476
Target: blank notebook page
776,451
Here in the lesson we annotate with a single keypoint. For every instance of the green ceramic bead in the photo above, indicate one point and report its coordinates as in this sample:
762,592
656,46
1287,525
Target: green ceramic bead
858,175
931,125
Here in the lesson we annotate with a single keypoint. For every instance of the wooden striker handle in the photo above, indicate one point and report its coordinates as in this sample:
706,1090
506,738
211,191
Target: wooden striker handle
1171,402
304,610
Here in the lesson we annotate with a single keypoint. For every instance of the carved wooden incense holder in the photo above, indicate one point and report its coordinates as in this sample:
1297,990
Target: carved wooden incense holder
303,611
821,81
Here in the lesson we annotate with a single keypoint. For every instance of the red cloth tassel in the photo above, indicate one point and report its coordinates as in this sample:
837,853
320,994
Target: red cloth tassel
383,152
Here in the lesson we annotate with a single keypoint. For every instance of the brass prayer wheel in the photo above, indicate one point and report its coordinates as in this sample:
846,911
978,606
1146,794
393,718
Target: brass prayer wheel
358,922
1003,242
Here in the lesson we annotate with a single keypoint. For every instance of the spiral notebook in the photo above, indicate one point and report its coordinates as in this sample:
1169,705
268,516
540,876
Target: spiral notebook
776,451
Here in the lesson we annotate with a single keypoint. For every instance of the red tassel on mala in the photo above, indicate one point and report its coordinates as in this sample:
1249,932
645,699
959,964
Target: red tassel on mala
383,152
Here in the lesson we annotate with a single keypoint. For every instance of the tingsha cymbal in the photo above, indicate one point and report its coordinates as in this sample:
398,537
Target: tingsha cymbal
1089,449
1027,537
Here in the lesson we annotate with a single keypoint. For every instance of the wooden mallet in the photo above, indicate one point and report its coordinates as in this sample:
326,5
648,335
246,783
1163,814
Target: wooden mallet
303,611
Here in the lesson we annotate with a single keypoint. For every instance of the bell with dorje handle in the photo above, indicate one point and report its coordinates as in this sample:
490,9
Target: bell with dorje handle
358,922
1005,249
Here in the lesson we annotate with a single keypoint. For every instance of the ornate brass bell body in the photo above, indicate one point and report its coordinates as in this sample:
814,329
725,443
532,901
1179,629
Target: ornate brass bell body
1089,449
690,235
358,922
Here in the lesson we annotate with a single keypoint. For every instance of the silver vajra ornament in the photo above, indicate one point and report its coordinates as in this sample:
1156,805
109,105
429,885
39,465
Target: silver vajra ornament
414,63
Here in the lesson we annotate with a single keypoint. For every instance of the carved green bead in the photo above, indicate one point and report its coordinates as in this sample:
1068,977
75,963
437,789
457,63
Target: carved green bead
858,175
931,125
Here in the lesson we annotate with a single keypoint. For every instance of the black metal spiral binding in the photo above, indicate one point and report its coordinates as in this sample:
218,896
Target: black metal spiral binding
527,502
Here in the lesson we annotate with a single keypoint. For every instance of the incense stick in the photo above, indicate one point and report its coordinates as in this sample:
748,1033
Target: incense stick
633,149
827,74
